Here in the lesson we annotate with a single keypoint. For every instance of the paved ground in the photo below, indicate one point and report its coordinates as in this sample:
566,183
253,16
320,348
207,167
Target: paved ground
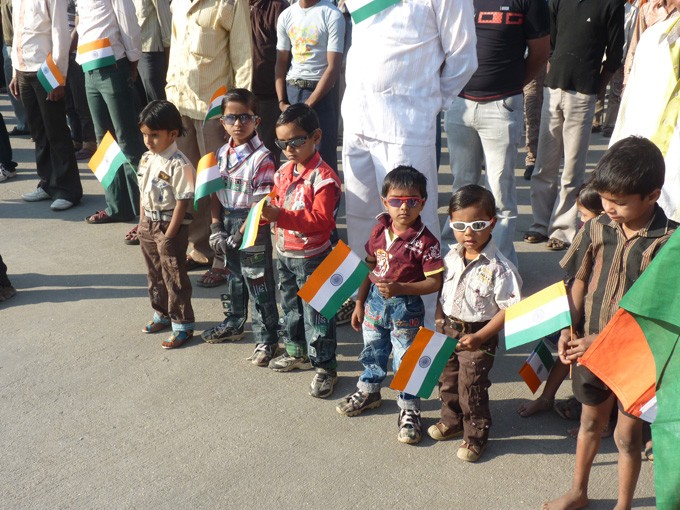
94,414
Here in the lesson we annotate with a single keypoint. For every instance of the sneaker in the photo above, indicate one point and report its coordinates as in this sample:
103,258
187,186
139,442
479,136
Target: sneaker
440,432
470,452
409,426
344,315
286,363
323,383
6,173
356,403
263,354
223,332
35,196
61,204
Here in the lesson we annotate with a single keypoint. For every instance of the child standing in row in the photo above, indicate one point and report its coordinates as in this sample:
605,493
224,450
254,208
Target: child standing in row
479,284
166,181
247,169
307,190
405,261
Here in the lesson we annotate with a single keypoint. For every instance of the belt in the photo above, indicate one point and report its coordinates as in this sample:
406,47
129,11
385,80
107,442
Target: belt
163,216
463,327
303,84
236,213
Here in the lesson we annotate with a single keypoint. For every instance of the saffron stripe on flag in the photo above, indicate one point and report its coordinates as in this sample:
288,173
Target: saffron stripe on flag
348,288
49,75
529,375
325,270
94,45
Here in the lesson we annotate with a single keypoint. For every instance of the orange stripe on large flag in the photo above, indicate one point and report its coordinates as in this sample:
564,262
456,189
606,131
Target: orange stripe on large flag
98,156
411,357
621,357
94,45
54,69
219,92
325,270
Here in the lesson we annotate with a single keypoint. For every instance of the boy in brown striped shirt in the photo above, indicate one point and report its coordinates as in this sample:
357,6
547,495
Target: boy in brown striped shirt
608,254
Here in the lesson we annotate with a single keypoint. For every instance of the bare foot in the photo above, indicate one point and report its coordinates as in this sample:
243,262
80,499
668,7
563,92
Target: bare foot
532,407
572,500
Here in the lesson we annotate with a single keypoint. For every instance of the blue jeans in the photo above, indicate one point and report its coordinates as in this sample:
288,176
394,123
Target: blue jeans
251,276
390,325
487,132
307,332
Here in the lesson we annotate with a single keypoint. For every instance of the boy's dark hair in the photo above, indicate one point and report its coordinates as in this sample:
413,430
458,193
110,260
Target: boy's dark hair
470,195
632,166
404,177
589,198
302,115
243,96
162,115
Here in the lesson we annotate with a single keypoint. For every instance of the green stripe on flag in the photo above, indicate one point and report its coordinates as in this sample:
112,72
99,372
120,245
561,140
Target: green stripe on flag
207,188
44,81
117,162
213,113
437,368
99,63
371,9
538,331
345,291
545,355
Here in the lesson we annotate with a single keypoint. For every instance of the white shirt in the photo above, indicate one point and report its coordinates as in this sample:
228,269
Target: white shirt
115,19
40,27
405,65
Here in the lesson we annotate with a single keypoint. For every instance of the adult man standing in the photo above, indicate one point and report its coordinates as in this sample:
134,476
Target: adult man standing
21,127
155,23
210,47
484,122
581,33
41,35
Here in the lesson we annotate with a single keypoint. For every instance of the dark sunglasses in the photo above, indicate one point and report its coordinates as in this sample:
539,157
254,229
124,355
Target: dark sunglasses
409,201
244,118
296,142
477,226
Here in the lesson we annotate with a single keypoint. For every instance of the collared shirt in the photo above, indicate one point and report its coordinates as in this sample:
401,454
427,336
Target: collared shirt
115,19
40,27
405,257
210,47
478,290
609,263
581,33
651,105
165,178
263,18
155,22
406,64
247,171
6,14
649,14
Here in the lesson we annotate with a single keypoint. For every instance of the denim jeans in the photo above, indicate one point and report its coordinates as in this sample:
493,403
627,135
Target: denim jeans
306,331
17,106
487,132
251,276
390,325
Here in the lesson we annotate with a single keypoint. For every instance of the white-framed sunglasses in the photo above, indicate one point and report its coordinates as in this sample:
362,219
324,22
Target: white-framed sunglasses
477,226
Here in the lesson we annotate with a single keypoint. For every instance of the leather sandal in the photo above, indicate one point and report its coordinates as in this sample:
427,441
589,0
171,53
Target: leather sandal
177,339
213,277
131,237
555,244
154,326
534,237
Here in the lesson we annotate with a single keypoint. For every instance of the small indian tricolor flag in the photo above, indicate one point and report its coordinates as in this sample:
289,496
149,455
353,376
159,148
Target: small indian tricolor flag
253,222
49,75
423,363
96,54
107,160
208,178
363,9
334,281
537,316
215,106
537,366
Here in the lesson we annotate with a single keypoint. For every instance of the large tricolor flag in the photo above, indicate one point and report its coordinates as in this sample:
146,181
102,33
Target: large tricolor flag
49,75
253,222
364,9
96,54
208,178
106,161
651,315
334,281
537,366
423,363
215,105
537,316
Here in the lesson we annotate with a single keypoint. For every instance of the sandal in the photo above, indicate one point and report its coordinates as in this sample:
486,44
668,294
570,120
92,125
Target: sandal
177,339
555,244
156,325
194,264
534,237
131,237
213,277
569,409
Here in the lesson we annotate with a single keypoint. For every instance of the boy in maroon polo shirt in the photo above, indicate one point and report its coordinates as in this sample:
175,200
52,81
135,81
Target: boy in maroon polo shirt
405,263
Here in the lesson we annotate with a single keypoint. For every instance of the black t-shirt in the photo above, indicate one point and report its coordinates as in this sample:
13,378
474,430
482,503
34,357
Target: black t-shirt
503,28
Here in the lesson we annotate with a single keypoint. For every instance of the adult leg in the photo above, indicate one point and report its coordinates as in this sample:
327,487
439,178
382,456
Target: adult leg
5,147
29,101
533,103
628,438
615,93
17,106
548,158
578,117
268,110
76,82
152,69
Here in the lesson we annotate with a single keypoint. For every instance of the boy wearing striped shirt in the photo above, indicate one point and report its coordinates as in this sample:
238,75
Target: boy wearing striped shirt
405,261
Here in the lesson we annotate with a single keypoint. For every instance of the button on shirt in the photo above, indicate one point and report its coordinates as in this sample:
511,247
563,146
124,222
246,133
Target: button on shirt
477,291
165,178
406,64
115,19
40,27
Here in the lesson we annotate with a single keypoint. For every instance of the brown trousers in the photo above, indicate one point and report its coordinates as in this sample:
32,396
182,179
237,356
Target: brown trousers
464,392
169,285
